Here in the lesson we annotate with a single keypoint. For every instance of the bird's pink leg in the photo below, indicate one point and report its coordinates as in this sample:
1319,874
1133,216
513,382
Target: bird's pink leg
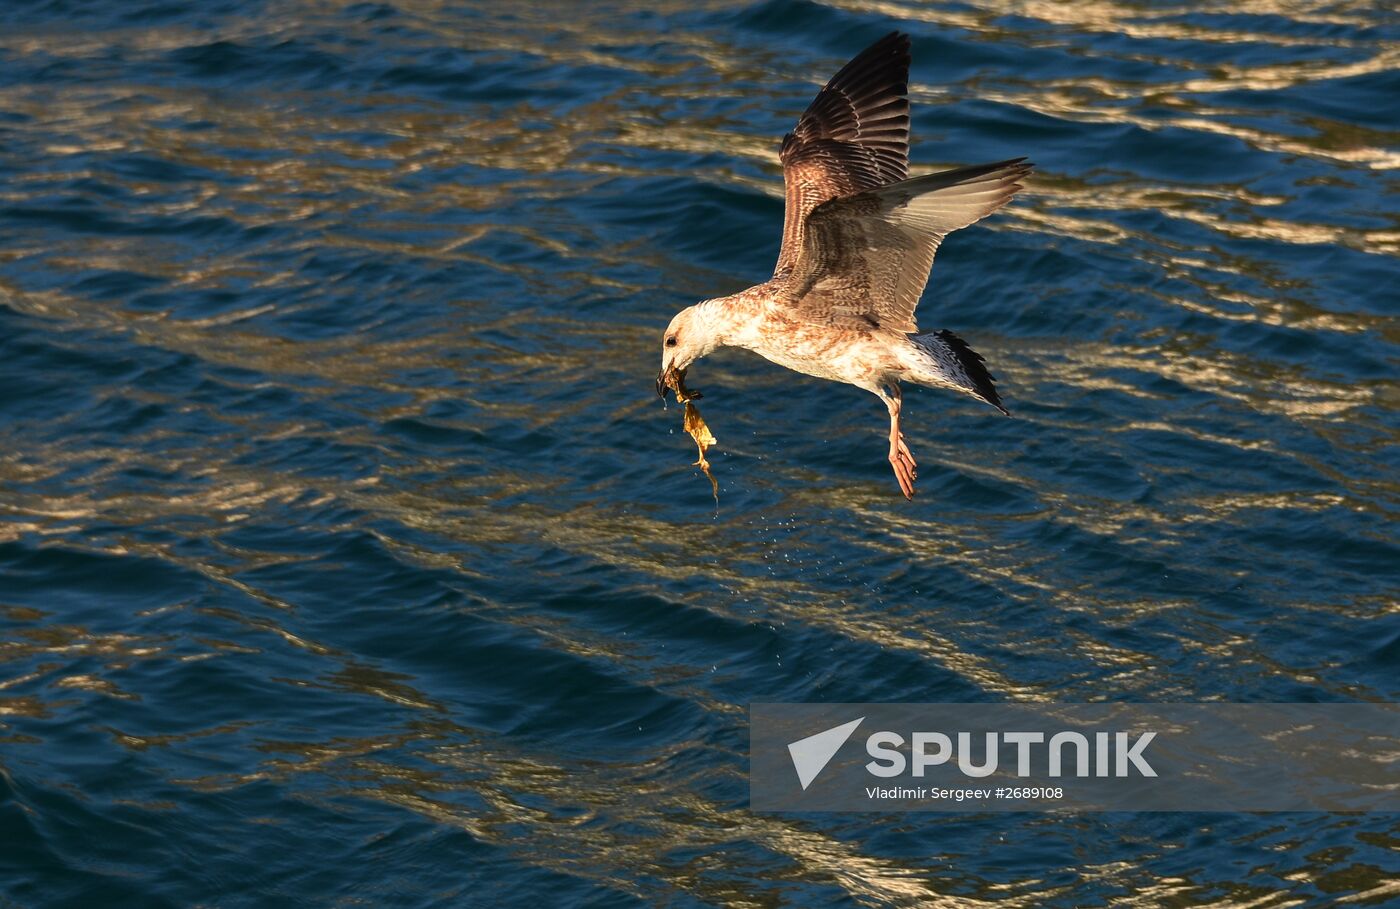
905,470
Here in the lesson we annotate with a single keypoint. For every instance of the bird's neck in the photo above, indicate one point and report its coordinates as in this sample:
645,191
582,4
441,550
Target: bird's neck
733,321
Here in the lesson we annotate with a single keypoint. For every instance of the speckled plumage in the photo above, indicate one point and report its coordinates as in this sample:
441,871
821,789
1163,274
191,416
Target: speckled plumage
859,238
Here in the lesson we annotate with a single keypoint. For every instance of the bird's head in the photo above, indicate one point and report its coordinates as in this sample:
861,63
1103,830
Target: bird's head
692,334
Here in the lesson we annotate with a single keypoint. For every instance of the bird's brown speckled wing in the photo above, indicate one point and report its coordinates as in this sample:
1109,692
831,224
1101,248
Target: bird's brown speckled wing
865,258
854,136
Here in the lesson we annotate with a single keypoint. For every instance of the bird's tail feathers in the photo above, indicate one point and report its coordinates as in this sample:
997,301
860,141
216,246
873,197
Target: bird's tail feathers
942,359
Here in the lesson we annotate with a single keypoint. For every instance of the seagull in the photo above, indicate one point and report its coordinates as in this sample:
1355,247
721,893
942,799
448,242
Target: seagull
859,237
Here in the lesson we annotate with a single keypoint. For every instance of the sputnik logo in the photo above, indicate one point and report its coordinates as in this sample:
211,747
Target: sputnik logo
813,753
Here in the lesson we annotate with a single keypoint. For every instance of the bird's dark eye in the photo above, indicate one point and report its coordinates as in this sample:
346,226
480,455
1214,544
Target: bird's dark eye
670,342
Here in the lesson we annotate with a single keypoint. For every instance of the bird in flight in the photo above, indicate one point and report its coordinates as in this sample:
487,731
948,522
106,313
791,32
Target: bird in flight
859,237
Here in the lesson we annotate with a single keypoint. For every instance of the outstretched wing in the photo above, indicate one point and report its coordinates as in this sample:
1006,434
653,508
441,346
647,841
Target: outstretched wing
854,136
865,258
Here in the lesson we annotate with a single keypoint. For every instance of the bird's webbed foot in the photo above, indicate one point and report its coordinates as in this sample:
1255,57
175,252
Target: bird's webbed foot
905,469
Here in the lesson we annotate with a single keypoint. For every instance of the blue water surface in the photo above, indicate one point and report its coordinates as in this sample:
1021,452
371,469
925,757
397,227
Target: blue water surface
348,558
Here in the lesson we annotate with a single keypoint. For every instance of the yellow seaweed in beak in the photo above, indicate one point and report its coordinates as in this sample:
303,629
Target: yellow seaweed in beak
694,424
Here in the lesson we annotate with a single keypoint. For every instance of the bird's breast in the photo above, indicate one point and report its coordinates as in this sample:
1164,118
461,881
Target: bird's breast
842,355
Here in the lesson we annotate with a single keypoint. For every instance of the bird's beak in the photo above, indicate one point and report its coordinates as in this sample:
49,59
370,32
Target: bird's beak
669,371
